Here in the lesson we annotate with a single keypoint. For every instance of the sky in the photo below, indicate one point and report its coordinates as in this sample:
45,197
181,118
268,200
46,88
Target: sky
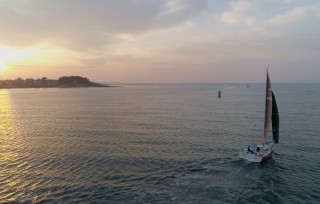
161,41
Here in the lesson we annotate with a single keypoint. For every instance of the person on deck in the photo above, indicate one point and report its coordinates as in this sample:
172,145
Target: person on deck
250,150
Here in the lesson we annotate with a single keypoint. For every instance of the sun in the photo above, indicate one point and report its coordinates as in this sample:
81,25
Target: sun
3,67
4,54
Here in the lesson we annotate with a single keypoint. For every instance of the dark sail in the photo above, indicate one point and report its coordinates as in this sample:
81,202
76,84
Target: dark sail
275,120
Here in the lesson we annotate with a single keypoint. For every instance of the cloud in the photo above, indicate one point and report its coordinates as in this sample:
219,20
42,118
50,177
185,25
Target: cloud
241,13
296,14
89,24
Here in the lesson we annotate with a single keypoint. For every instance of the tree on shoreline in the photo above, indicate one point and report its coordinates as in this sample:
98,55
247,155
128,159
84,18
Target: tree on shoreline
74,80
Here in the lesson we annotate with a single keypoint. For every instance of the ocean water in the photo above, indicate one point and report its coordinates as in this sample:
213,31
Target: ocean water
169,143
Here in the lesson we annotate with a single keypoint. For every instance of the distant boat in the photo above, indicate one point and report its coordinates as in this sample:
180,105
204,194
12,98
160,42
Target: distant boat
248,85
259,153
219,94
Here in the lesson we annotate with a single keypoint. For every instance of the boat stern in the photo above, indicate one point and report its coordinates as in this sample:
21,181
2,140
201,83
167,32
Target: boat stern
260,153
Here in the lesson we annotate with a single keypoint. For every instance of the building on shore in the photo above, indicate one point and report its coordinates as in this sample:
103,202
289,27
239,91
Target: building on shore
29,83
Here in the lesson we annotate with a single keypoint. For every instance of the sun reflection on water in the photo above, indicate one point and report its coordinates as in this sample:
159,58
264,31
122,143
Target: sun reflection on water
11,150
6,116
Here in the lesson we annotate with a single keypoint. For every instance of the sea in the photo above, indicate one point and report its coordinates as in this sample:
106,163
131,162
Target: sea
157,143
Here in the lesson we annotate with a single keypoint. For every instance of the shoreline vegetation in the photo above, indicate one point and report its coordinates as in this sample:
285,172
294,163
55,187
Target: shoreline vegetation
44,82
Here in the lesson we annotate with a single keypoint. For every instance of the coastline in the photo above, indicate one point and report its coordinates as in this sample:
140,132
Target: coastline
59,86
62,82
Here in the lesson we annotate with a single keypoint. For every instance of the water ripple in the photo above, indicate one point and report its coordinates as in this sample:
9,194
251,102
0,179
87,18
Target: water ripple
153,144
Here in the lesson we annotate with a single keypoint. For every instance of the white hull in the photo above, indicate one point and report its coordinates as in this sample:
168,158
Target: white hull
264,152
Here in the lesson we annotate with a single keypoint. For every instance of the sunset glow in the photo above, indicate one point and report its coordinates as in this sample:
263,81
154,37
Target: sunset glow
3,67
3,56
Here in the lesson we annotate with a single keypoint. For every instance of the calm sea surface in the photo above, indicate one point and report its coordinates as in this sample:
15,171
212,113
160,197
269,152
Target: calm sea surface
157,144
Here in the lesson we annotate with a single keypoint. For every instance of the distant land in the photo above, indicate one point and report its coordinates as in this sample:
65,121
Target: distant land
44,82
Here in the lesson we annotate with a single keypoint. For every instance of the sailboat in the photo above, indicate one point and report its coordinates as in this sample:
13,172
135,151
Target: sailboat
262,152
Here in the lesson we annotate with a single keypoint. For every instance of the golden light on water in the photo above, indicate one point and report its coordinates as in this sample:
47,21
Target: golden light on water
6,122
10,149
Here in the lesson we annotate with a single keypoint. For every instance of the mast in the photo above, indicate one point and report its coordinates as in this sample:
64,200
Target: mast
268,109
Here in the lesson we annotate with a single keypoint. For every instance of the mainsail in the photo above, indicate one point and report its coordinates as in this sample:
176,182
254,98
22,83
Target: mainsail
268,110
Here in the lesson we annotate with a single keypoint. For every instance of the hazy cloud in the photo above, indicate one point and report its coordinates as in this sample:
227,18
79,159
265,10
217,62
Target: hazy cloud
241,12
94,23
296,14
